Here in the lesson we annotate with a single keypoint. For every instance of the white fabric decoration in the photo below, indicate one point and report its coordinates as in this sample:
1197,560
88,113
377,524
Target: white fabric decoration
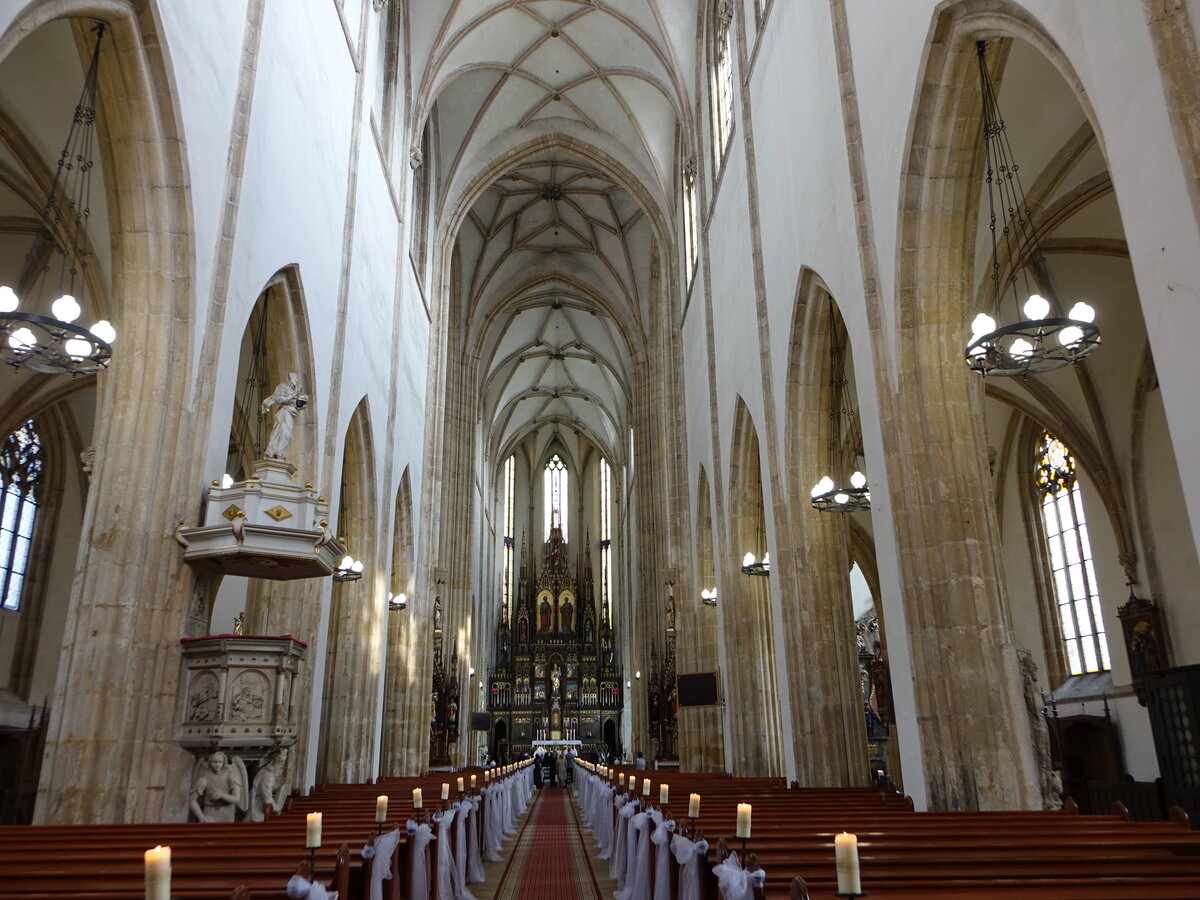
379,851
734,882
688,854
663,830
419,837
299,888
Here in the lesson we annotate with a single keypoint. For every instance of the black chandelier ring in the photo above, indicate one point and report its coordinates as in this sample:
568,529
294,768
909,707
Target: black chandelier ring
1049,344
51,346
843,500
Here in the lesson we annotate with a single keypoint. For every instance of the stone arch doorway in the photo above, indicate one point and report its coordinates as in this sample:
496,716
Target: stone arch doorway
610,739
499,749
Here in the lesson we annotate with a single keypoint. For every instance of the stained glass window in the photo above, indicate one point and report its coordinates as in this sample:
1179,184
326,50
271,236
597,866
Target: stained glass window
21,467
1076,593
555,496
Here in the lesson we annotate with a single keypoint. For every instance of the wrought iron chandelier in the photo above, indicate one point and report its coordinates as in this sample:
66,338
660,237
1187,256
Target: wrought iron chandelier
1040,342
827,496
55,344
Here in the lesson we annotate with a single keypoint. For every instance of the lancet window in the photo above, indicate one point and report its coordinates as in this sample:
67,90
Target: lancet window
721,78
605,533
21,468
1076,593
554,495
510,507
690,221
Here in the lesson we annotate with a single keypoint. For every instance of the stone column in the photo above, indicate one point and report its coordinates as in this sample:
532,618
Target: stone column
109,753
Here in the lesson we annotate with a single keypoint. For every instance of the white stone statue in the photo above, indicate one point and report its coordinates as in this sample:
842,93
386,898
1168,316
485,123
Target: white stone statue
268,789
218,788
287,401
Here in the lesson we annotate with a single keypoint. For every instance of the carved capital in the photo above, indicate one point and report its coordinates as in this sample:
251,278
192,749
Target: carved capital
415,158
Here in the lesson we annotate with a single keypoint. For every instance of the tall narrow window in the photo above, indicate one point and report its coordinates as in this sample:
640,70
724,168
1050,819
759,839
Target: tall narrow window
510,508
555,496
690,227
605,533
21,466
721,77
1075,589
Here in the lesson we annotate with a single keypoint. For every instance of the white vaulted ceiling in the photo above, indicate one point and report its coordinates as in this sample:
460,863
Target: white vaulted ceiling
557,255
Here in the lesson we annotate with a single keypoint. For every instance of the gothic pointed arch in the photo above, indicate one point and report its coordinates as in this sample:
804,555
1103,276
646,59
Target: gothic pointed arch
823,439
748,621
356,625
401,679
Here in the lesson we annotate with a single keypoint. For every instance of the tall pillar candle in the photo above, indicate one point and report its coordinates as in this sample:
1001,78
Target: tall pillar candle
645,787
743,820
845,856
694,806
663,793
158,873
461,784
472,781
445,791
312,837
381,809
418,800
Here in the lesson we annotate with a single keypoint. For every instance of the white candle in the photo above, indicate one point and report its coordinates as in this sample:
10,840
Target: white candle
158,873
663,793
381,809
845,855
445,791
743,820
621,778
418,801
312,837
694,806
472,781
461,784
645,787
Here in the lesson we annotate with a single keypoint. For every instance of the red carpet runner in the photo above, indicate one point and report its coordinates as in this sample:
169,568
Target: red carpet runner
549,861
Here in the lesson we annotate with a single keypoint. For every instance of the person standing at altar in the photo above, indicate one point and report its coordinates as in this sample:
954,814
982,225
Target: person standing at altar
560,769
640,762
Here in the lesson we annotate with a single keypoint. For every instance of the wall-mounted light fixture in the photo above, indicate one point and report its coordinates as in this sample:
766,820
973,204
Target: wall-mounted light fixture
750,567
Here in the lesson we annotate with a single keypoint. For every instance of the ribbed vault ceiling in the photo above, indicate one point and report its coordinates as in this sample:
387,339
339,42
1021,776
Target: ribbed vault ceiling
557,255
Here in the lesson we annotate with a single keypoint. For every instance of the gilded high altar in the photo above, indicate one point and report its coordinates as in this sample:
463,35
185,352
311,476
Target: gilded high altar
556,672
